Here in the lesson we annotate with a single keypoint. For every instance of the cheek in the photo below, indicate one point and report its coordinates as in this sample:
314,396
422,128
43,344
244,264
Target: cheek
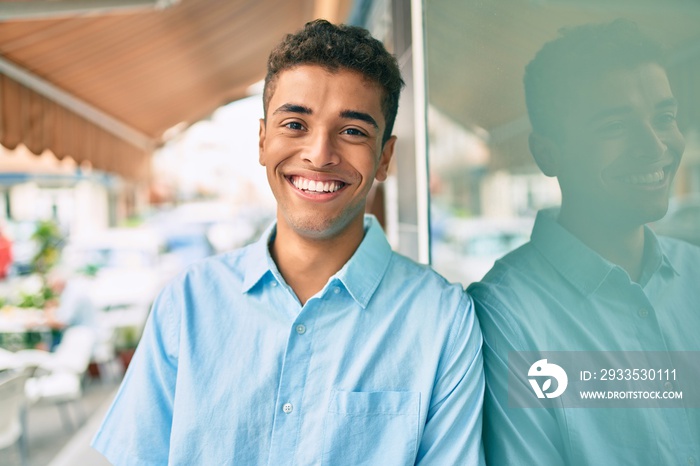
277,151
594,157
363,160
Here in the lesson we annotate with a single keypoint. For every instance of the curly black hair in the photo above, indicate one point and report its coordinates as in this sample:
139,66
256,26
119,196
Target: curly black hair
581,54
336,47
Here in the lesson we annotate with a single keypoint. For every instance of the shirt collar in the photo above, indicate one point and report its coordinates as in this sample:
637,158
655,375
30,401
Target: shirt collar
576,262
258,261
584,268
655,258
360,275
365,269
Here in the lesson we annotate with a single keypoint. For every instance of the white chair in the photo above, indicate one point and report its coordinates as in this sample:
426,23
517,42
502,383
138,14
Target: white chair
63,372
104,354
9,360
13,413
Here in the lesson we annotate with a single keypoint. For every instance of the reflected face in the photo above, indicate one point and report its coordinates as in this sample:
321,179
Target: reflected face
621,147
322,148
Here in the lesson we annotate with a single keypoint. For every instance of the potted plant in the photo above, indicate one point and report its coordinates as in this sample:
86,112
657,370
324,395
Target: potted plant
127,338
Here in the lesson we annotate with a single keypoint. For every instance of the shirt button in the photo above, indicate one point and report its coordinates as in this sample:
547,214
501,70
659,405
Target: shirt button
274,283
336,289
287,408
691,460
301,329
668,386
643,313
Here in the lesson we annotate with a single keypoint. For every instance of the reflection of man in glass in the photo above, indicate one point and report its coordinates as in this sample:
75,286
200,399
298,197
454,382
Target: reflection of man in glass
593,276
317,344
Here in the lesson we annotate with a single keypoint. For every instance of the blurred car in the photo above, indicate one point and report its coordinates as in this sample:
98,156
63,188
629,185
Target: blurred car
682,220
468,248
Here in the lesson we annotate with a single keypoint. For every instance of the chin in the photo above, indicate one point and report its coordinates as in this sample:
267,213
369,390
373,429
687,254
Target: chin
317,228
648,214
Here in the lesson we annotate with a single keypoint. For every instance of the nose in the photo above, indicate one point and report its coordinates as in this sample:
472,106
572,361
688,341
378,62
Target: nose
651,142
321,150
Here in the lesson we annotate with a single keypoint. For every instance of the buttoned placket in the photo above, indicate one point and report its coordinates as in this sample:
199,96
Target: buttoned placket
650,336
292,380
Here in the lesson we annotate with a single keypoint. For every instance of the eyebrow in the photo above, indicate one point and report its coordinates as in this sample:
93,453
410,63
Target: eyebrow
348,114
293,108
670,102
354,115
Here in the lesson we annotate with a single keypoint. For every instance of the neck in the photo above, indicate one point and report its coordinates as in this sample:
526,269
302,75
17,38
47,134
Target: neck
615,241
306,263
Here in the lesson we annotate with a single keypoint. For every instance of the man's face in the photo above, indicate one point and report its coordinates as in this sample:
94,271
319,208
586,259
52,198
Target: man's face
321,146
621,147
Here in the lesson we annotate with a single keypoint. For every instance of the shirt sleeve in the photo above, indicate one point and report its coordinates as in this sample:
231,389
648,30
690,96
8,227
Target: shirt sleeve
452,434
512,436
136,430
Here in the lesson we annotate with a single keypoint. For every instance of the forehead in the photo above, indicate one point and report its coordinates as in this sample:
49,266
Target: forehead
320,88
640,88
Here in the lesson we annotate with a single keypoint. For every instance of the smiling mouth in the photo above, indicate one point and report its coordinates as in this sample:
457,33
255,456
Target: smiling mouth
644,178
656,177
313,186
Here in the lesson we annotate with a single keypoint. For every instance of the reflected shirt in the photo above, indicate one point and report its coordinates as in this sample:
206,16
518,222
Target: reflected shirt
383,366
556,294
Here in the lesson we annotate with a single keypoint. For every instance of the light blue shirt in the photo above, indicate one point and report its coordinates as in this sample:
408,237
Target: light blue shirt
556,294
381,367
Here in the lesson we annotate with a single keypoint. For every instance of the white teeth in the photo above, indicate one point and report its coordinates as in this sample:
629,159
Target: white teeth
316,186
645,178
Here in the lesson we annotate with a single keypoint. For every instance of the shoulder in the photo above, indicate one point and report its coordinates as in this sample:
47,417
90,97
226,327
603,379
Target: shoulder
427,300
201,283
426,282
228,266
518,273
511,296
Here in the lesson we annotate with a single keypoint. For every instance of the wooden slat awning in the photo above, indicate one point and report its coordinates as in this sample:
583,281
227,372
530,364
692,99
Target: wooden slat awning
40,124
137,73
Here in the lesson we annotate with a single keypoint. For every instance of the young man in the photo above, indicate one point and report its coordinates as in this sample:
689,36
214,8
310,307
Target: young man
594,279
318,344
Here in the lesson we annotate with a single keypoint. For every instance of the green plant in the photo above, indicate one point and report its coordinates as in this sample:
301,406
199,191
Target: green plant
49,241
36,300
127,338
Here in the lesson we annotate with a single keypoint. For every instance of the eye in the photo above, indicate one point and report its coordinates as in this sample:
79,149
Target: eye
612,129
665,119
295,125
353,132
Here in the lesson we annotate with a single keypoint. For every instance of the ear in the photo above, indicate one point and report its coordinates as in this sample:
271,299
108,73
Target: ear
261,142
385,159
546,153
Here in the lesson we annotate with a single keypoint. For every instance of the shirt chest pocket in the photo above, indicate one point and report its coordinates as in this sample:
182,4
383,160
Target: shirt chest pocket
371,428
